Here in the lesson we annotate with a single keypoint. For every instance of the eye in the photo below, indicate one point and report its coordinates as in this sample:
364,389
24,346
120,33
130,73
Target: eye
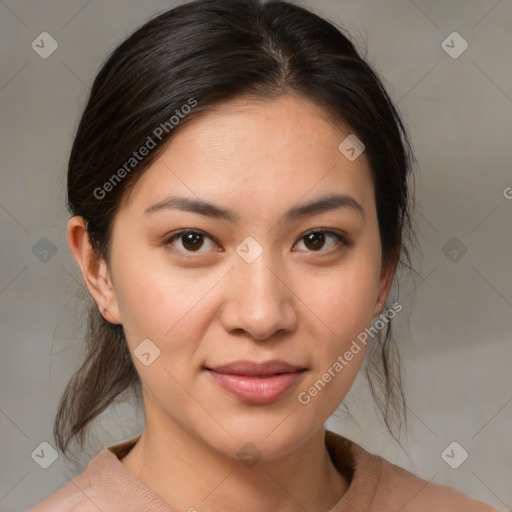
315,240
191,241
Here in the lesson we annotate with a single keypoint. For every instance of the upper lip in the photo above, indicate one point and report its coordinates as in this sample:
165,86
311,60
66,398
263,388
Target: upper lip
251,368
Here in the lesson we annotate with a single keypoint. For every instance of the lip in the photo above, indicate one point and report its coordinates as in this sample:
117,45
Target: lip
256,383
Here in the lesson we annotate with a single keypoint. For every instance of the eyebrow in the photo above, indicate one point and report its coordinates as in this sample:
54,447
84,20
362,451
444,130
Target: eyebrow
320,205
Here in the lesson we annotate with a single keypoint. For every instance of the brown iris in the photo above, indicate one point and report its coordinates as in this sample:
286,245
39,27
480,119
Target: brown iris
316,240
192,241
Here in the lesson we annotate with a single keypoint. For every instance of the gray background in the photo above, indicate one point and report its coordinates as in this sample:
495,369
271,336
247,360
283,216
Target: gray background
454,331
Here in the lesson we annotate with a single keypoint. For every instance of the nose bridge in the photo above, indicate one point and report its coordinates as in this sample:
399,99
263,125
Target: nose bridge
262,303
258,277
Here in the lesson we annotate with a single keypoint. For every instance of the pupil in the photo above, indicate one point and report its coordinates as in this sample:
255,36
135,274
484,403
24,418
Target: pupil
193,239
316,239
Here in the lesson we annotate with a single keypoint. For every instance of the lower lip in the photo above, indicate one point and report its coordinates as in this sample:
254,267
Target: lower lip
256,390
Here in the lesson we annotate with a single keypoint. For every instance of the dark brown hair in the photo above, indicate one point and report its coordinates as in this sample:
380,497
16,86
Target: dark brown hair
210,51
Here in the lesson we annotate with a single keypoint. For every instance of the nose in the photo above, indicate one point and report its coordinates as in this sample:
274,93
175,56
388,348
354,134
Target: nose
258,299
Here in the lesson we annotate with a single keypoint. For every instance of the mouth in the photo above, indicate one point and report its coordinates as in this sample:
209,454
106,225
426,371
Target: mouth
256,383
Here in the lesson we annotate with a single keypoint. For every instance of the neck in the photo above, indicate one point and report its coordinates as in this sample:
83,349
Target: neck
190,475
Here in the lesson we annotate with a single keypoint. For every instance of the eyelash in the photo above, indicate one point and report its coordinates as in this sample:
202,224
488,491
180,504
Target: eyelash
342,240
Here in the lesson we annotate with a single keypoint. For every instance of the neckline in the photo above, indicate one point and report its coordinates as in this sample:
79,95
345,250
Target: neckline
346,467
351,460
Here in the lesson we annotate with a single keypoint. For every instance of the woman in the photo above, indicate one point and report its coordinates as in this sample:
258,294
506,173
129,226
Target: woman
239,194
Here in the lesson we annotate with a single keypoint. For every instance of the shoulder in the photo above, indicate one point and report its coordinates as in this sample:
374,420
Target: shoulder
377,485
104,485
399,487
73,497
78,495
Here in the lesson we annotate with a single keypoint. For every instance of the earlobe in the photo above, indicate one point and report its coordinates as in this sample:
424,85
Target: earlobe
94,269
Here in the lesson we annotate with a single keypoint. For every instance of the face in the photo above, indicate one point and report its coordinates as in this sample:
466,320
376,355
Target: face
262,283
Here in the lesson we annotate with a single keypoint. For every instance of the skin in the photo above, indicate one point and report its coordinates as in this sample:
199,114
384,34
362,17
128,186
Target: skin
208,306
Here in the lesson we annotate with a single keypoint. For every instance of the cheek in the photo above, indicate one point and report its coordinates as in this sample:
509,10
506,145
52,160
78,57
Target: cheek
163,303
343,300
341,313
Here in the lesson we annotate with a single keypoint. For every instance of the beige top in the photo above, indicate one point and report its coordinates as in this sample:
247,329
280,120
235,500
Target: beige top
376,485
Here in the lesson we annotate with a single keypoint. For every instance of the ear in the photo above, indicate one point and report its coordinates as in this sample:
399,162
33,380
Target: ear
385,282
94,269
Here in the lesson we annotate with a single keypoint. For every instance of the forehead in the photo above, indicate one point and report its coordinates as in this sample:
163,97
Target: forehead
258,152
